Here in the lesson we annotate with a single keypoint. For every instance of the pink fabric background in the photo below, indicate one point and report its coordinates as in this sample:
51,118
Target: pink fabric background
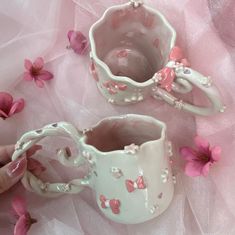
206,31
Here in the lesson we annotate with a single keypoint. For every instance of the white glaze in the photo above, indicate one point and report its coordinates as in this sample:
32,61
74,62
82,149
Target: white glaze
109,170
185,79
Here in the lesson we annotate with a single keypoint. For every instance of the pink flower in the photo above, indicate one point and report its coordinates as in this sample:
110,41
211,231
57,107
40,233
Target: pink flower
24,219
78,42
36,72
8,107
167,78
200,160
177,55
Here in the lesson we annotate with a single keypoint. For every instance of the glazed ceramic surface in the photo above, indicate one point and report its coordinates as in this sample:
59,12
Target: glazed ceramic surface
128,158
133,56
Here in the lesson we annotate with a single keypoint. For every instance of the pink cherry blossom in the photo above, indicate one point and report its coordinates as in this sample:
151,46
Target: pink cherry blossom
167,78
131,149
198,162
24,218
177,55
36,72
8,107
78,42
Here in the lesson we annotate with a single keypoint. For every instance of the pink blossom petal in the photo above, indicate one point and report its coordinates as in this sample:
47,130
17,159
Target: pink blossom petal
185,62
17,107
215,153
202,144
176,54
78,42
70,33
28,64
39,83
168,76
5,102
45,75
35,167
27,76
19,205
3,114
206,169
194,168
21,227
188,154
38,63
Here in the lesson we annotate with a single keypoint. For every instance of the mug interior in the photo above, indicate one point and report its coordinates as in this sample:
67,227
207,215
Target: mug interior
115,134
133,42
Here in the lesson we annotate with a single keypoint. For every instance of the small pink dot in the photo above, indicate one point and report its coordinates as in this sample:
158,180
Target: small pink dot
122,53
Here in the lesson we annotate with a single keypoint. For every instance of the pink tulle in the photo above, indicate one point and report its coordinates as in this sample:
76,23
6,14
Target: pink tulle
205,32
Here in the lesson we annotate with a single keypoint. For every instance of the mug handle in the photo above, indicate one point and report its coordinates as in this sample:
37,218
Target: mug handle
187,76
34,184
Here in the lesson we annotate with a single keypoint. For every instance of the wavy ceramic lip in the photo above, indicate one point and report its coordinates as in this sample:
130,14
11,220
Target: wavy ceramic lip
102,64
128,116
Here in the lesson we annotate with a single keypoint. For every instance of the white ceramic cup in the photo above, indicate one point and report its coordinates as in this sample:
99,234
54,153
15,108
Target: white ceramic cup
134,56
128,158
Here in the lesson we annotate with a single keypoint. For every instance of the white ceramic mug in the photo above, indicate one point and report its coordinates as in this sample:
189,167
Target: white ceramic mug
128,158
134,56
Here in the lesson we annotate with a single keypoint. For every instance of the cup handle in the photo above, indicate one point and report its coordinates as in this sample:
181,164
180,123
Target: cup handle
188,76
34,184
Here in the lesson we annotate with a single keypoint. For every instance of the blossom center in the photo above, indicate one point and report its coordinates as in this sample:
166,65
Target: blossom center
204,157
30,221
35,71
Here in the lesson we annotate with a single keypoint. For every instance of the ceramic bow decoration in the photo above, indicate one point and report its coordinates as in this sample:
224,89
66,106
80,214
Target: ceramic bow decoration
129,162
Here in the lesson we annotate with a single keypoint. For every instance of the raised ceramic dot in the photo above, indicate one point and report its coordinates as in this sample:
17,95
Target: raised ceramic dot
165,175
44,186
111,101
127,100
136,3
86,154
169,144
222,110
154,208
86,130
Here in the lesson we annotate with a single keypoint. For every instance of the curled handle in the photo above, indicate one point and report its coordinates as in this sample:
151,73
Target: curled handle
188,76
34,184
